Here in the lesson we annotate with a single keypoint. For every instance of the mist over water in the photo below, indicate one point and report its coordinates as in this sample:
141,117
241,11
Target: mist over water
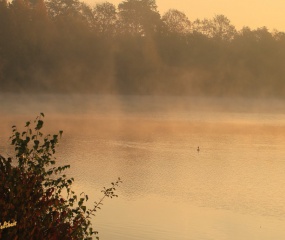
175,85
231,189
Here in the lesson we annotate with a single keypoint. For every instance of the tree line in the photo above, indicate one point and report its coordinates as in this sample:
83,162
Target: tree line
69,46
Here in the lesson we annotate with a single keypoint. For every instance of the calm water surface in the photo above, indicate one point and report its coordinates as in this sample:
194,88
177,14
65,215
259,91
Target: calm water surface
233,188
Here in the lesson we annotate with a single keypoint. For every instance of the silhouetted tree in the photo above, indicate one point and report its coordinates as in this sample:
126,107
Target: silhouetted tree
219,27
65,45
105,19
138,17
176,22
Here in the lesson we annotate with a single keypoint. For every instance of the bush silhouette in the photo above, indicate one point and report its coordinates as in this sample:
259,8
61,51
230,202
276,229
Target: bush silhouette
36,199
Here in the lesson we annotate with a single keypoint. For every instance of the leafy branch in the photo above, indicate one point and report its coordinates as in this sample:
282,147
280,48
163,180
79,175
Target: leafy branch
32,187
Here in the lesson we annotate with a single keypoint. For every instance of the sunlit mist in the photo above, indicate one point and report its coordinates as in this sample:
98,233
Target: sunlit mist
183,100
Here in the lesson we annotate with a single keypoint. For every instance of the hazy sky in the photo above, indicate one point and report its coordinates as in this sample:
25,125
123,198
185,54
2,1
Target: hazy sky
252,13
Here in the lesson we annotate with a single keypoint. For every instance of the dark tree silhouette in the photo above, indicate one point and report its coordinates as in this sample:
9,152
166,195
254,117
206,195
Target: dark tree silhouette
67,46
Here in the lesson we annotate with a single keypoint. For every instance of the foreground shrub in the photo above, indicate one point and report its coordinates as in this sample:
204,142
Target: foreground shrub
36,199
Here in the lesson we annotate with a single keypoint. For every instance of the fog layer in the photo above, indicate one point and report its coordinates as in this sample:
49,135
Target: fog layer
68,46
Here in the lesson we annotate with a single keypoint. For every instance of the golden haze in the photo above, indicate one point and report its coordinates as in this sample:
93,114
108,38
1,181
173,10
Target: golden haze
252,13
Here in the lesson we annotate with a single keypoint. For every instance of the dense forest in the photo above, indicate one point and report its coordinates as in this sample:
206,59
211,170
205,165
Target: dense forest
69,46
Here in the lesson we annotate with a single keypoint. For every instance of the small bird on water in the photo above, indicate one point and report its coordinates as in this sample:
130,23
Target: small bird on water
198,149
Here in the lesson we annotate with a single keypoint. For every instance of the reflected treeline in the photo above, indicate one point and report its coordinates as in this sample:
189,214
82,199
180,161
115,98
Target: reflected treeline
66,45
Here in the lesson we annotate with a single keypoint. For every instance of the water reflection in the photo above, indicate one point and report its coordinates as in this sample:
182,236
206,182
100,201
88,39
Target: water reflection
232,189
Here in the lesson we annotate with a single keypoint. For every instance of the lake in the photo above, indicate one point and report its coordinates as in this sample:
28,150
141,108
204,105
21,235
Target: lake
233,188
